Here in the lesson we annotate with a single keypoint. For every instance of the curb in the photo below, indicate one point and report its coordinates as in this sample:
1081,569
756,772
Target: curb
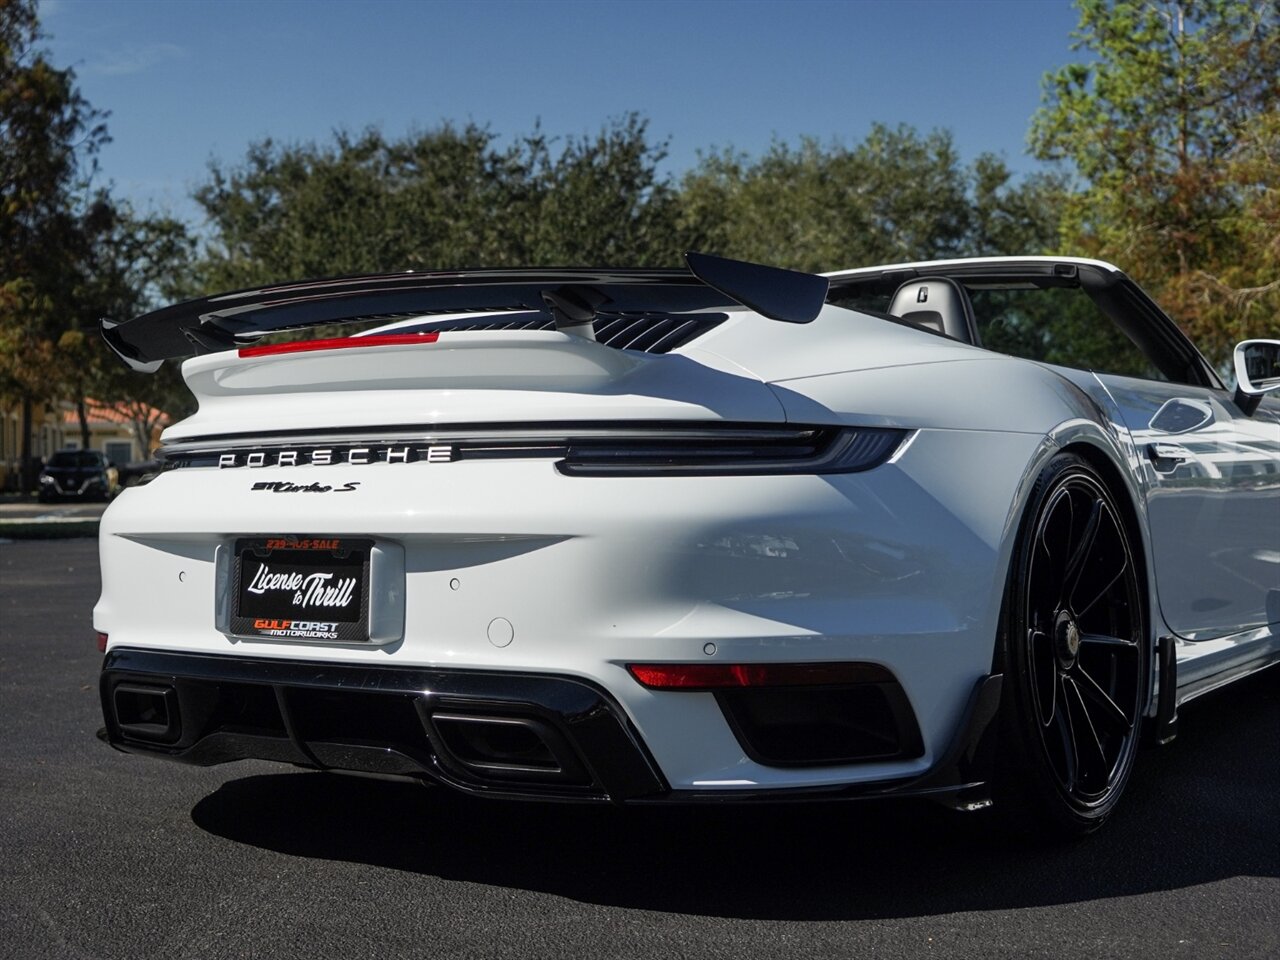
53,528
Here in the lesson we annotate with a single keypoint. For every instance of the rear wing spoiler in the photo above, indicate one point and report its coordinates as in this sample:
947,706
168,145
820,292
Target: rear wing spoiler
572,296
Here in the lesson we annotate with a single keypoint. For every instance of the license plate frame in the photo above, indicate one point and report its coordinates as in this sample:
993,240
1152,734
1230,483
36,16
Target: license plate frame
311,589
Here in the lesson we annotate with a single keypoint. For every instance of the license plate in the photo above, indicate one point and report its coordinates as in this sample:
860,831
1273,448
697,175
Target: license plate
302,588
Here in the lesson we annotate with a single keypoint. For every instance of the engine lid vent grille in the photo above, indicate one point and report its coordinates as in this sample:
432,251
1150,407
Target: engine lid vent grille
647,332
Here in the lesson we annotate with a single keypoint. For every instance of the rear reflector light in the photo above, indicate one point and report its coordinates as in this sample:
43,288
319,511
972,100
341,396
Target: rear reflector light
339,343
102,641
707,676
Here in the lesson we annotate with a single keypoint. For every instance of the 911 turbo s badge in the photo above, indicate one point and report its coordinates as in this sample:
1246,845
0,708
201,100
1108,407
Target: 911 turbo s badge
331,456
282,486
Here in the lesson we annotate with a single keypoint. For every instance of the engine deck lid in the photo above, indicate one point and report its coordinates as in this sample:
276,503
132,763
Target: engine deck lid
458,377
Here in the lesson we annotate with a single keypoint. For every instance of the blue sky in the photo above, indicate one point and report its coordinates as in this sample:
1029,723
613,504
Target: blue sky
190,80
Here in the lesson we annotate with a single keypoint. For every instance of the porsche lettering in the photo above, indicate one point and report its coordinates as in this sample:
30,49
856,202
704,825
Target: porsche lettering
333,456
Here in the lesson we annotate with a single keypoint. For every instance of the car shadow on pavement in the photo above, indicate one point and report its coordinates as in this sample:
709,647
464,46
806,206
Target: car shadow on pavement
1199,811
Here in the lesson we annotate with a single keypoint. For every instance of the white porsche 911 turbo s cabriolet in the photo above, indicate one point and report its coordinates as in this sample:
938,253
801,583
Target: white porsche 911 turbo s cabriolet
954,529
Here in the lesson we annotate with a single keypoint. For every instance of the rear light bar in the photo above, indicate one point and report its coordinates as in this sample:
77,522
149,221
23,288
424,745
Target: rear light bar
102,641
717,676
339,343
620,449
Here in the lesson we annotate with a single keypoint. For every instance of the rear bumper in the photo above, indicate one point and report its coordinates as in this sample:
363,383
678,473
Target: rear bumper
492,733
495,733
513,568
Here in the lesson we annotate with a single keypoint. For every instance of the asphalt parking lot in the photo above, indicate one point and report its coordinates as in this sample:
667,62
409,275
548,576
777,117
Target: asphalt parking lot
108,855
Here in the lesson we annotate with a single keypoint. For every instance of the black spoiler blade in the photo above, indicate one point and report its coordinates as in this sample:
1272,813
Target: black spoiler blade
228,320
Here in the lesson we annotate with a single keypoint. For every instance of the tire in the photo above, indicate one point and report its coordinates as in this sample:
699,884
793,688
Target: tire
1076,656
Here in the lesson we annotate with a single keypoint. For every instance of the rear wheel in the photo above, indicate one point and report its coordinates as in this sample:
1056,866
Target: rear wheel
1077,659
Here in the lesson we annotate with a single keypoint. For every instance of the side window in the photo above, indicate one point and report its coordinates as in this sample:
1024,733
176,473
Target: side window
1058,325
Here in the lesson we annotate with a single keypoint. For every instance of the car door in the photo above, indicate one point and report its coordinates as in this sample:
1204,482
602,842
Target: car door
1212,479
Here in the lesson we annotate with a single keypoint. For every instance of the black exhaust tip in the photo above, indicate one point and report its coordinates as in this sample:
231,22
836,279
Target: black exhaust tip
511,748
147,713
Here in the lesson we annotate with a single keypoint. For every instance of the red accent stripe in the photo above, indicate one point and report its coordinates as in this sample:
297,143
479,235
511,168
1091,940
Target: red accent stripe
339,343
707,676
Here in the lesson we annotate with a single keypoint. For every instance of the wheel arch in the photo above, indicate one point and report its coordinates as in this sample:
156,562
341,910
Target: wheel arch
1042,776
1097,446
1126,497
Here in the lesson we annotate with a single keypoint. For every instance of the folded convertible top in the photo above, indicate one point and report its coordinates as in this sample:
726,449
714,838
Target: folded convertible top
572,296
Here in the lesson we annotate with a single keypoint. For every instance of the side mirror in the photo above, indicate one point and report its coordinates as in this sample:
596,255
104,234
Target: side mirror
1257,365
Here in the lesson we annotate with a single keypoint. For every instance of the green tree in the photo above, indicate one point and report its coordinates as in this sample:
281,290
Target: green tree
448,198
69,254
593,200
452,198
895,196
126,265
1012,218
1172,128
48,136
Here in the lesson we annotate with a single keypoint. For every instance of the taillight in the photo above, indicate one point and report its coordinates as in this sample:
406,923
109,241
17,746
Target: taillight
102,641
812,451
716,676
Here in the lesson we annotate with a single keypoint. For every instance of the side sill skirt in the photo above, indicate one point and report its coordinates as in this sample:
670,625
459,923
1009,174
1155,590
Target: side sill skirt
1166,720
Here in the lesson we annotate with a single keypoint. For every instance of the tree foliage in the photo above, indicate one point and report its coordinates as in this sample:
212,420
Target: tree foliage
1172,128
443,199
451,198
127,264
895,196
69,254
47,133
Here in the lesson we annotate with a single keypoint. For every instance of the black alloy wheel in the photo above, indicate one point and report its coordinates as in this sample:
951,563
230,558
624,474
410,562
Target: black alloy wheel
1077,657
